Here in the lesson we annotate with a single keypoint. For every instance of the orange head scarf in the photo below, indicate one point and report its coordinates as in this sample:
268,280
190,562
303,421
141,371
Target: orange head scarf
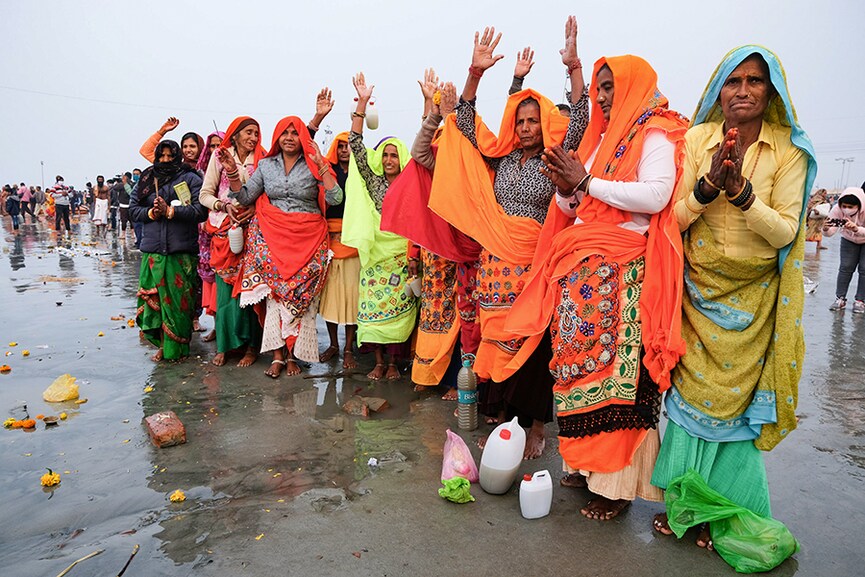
234,127
553,125
635,102
331,152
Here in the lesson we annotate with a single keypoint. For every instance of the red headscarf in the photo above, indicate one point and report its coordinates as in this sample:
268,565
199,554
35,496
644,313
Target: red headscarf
236,125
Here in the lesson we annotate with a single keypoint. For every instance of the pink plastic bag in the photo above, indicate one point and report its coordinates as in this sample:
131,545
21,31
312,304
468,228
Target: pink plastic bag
458,460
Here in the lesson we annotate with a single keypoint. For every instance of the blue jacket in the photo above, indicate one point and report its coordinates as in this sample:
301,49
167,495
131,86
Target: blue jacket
178,235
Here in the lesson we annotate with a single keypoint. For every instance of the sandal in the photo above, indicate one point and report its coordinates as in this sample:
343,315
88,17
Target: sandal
275,375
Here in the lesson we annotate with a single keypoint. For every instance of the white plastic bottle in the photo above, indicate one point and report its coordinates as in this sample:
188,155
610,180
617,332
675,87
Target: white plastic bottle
371,116
502,456
536,495
235,239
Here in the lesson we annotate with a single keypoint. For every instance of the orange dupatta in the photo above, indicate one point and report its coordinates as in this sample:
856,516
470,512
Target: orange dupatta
462,194
334,225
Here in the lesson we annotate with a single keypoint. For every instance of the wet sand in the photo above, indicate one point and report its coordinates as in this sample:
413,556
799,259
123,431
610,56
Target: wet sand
276,475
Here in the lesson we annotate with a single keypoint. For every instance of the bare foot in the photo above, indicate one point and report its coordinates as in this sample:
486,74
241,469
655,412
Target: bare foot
377,373
451,395
291,368
535,441
392,372
704,539
573,480
248,358
157,357
604,509
419,388
218,359
491,421
209,337
348,361
275,368
661,525
328,353
482,442
196,326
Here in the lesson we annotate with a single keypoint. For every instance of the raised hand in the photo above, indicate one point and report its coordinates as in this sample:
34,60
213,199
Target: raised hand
448,98
364,92
226,160
569,52
169,125
482,55
315,154
323,102
429,84
525,61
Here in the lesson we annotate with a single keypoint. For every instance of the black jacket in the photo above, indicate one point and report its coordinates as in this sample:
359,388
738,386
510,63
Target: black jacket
179,234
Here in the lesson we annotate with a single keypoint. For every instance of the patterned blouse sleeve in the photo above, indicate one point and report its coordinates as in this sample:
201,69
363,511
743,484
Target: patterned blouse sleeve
579,121
355,142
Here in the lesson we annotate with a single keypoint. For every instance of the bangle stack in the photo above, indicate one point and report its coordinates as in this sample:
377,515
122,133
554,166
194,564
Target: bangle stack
150,214
358,114
578,65
233,175
745,196
698,191
476,72
170,214
323,169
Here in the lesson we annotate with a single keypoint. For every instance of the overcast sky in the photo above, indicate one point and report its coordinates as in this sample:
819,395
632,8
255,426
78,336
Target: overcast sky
84,83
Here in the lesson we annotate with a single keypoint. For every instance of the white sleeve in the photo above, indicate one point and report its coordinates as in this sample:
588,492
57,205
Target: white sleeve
656,176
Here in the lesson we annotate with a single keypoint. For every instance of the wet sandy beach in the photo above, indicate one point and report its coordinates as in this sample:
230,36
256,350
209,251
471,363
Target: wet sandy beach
277,477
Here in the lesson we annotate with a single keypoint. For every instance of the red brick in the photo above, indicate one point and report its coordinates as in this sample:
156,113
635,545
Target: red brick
165,429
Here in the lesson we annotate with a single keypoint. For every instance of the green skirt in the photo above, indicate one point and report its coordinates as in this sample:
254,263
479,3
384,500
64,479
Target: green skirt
166,301
735,470
236,327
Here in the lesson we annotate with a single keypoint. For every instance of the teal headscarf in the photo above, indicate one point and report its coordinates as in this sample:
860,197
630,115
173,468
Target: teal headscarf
780,111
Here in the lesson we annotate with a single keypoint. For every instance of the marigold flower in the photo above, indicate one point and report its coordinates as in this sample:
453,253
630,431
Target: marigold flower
177,497
50,479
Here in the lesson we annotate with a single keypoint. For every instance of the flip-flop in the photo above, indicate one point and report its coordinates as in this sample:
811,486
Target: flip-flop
662,527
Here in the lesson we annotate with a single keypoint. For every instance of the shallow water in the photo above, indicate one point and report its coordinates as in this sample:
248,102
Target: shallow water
277,476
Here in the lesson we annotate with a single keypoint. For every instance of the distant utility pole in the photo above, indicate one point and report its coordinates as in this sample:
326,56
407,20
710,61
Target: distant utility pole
842,183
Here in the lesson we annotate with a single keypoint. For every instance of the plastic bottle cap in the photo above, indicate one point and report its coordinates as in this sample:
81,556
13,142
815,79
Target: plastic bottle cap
505,434
467,363
527,477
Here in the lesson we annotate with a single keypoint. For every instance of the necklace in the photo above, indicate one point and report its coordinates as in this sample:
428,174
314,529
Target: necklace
756,160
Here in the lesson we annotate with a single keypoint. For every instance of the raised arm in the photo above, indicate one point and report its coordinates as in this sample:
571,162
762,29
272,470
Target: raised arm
483,58
579,97
323,105
525,61
421,149
333,194
148,149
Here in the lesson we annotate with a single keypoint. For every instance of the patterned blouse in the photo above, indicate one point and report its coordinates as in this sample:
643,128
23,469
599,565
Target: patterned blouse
376,184
521,189
296,191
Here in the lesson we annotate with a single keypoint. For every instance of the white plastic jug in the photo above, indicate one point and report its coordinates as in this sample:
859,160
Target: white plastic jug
536,495
502,456
371,116
235,239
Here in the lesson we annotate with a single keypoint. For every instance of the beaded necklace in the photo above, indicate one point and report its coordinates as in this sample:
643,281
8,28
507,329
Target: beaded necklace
756,160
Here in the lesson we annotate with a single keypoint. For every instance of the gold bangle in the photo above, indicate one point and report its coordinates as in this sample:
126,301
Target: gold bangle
150,214
322,170
358,114
710,183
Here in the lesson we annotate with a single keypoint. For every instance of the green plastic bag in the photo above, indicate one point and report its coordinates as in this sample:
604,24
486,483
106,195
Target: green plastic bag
746,541
456,490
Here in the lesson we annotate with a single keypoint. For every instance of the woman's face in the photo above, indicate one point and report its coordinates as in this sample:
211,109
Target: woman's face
528,126
165,155
746,92
246,139
289,141
606,91
390,160
189,149
214,143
